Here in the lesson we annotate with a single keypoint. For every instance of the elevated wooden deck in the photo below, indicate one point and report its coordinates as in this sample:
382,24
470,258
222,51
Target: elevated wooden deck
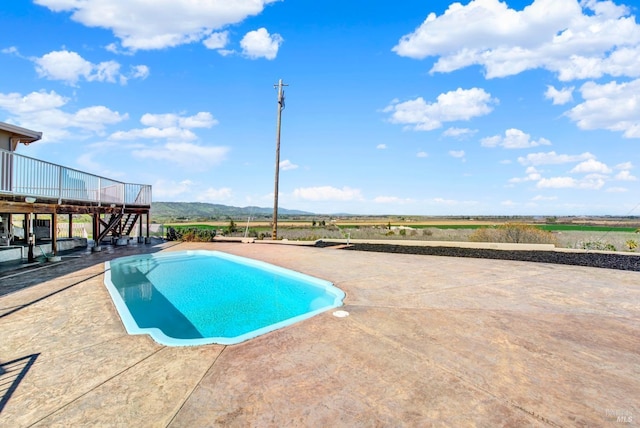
34,188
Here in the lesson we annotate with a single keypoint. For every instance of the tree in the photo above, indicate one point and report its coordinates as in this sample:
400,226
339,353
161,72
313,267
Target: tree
232,226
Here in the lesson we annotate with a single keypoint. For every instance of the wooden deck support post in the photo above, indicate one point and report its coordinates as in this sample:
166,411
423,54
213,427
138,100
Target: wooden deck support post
140,237
30,236
54,232
147,239
96,232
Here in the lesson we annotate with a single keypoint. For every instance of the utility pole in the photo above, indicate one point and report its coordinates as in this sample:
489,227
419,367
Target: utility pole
274,234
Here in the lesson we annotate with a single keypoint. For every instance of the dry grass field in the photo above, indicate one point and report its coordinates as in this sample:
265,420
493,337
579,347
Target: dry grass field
429,229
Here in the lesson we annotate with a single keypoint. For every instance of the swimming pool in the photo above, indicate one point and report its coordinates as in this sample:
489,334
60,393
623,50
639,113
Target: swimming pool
201,297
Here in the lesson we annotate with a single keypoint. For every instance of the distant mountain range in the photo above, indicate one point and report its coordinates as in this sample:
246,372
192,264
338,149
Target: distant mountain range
201,210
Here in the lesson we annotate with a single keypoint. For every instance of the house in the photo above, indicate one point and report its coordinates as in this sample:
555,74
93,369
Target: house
33,193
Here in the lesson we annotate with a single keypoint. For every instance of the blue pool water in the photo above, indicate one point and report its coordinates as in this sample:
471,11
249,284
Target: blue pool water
201,297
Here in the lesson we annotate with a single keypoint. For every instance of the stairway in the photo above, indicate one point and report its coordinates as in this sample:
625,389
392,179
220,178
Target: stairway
117,225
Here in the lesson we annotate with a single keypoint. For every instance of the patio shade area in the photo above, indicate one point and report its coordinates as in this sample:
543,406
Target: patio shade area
428,341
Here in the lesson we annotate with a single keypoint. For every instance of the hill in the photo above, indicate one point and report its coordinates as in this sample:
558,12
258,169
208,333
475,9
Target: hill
163,211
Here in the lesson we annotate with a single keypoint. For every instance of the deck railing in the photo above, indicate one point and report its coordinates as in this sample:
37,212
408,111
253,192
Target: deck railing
25,176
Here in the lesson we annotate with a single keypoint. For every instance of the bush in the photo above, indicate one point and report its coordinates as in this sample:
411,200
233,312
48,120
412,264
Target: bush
190,234
597,246
232,228
483,234
631,244
516,233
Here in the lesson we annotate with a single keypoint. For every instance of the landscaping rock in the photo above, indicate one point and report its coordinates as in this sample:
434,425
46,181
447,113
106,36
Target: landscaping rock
629,262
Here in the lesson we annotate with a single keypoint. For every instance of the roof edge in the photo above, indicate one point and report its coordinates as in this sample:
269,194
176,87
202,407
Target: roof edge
21,132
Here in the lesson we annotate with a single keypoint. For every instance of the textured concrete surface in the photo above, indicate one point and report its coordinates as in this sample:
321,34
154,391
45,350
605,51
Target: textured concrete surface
429,341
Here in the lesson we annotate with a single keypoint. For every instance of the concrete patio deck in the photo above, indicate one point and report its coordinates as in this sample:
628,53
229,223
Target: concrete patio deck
429,341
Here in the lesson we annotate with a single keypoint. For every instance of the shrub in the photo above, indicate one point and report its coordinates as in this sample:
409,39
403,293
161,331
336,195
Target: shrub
483,234
232,228
631,244
190,234
597,246
517,233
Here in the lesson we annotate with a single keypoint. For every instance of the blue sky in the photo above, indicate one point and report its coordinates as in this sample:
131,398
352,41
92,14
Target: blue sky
393,107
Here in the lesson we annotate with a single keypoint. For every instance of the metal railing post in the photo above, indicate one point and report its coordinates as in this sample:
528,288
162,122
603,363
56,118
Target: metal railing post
59,185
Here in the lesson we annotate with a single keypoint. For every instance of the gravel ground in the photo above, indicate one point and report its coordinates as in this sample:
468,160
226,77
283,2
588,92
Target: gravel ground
608,261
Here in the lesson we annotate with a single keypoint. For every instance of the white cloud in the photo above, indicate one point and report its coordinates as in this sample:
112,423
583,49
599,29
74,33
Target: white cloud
461,104
214,195
164,23
559,96
613,106
35,102
456,153
139,72
201,119
557,183
63,65
577,40
169,190
11,50
625,176
42,111
616,190
513,139
459,132
95,118
624,165
187,155
544,198
169,126
328,193
591,166
260,44
69,67
287,165
589,183
171,133
217,40
532,175
381,146
422,154
552,158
